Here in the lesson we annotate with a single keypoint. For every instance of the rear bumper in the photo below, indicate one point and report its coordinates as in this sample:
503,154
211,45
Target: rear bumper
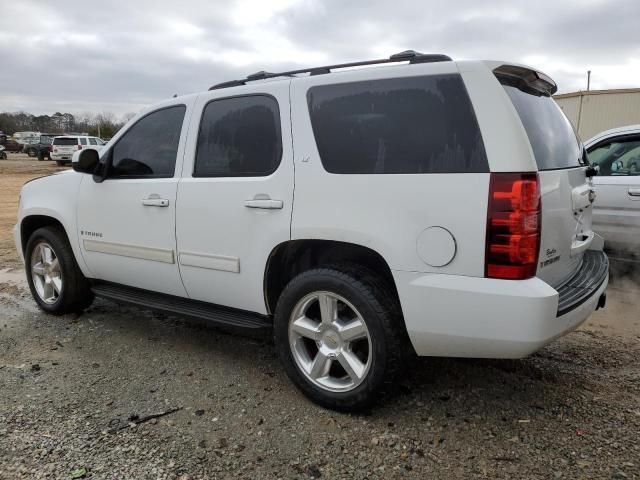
456,316
58,156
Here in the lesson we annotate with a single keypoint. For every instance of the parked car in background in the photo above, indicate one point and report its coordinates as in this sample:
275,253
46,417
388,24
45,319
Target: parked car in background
616,213
12,146
63,147
39,147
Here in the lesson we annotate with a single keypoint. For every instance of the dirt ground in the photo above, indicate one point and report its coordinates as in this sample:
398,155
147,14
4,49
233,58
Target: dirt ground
14,172
76,393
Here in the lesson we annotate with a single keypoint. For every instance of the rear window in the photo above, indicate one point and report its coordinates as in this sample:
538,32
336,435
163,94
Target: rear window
65,141
401,125
550,133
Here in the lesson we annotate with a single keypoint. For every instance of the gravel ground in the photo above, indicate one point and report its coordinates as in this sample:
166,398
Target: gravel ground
76,393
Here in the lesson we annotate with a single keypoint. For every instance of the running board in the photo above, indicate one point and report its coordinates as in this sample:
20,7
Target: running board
229,319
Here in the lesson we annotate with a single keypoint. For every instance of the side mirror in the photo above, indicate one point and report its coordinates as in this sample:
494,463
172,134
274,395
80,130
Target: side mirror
85,161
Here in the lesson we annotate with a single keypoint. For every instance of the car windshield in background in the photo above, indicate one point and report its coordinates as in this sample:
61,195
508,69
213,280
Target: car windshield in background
65,141
550,133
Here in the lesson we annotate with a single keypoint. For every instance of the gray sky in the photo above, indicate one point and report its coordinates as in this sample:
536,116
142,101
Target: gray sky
71,57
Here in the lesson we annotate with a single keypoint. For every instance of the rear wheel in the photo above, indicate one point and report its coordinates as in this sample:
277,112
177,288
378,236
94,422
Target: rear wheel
3,156
55,280
340,336
32,152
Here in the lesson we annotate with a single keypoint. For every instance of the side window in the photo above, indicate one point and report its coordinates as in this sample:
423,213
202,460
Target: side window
92,141
150,146
83,141
620,156
400,125
239,137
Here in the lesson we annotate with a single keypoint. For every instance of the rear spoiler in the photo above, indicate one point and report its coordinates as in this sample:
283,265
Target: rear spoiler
526,79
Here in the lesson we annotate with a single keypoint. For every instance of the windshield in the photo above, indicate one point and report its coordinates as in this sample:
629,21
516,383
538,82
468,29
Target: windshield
65,141
550,133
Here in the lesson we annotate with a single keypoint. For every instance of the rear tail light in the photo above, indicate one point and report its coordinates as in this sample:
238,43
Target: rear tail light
513,226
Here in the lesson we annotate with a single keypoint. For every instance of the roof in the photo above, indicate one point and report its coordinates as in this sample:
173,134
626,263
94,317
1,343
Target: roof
597,92
629,129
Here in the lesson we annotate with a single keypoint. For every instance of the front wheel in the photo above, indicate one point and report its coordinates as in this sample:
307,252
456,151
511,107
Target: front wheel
55,280
32,152
340,335
3,156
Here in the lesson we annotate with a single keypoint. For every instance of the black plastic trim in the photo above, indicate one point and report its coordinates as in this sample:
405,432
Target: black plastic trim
584,283
410,56
226,318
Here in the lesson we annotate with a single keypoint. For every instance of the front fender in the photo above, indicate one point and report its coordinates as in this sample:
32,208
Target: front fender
55,196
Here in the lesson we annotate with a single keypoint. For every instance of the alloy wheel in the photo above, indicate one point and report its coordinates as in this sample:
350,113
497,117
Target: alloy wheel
330,341
46,273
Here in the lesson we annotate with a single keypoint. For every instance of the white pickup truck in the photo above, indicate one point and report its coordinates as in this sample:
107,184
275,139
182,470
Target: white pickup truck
358,216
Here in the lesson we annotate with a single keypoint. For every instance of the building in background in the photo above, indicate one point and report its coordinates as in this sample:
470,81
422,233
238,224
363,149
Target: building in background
594,111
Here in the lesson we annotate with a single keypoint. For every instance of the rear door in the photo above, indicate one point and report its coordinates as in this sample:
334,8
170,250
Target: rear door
566,193
236,194
616,214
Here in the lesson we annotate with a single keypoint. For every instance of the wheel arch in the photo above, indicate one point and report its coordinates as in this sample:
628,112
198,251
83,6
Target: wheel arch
293,257
31,223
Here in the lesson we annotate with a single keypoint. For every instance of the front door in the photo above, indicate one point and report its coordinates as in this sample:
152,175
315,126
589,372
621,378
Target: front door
236,194
616,214
127,223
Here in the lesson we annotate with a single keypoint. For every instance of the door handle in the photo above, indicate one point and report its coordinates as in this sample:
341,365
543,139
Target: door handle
154,200
263,201
634,192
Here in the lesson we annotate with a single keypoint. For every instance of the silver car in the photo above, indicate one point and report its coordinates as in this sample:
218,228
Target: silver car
616,214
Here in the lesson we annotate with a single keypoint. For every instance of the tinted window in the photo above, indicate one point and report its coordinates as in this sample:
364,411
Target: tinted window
239,137
92,141
550,133
620,156
150,146
83,141
404,125
65,141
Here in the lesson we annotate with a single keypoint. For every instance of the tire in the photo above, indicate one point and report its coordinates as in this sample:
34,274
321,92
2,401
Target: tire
3,156
72,293
32,152
61,163
355,290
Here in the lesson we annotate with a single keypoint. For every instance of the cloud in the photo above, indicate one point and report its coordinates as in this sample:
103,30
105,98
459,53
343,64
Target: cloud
125,55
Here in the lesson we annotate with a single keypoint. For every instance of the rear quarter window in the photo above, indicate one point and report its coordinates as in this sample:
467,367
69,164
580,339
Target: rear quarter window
393,126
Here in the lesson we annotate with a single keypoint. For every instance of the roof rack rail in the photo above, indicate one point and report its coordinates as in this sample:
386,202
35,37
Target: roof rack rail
410,56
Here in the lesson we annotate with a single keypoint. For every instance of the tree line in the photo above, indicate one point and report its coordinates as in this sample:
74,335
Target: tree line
104,124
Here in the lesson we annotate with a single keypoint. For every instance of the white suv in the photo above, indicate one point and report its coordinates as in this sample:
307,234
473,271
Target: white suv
64,146
357,215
